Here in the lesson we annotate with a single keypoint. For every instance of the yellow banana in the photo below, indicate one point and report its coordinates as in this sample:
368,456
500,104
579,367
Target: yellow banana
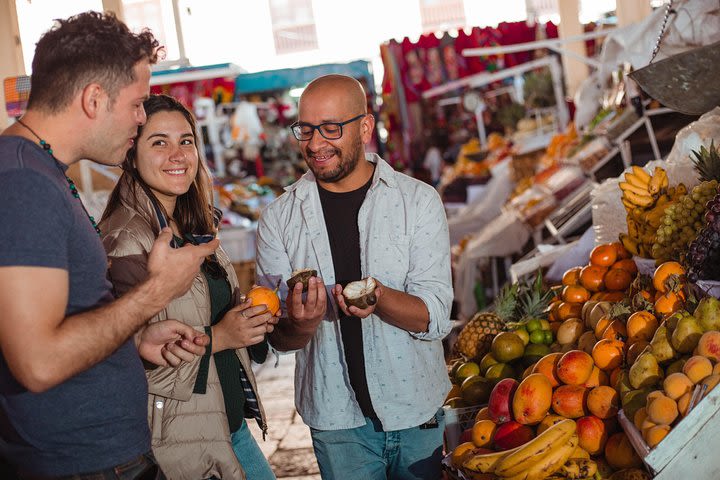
630,244
629,187
577,468
550,463
485,462
632,228
628,206
532,451
637,181
641,173
659,177
639,200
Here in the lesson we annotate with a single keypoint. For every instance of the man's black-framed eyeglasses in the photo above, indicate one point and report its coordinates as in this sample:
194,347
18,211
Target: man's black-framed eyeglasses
329,130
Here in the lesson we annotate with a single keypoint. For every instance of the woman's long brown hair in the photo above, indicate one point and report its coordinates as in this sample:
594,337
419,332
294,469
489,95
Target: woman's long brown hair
193,209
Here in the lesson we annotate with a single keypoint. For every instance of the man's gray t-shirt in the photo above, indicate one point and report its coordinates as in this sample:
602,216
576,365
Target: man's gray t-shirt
98,418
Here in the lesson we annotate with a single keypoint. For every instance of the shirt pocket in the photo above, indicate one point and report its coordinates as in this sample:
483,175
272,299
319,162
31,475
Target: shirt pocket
395,260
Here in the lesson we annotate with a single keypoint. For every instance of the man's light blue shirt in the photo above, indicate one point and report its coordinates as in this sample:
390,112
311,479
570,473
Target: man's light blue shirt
405,245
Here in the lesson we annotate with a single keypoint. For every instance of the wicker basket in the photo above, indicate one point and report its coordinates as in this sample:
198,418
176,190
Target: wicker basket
458,420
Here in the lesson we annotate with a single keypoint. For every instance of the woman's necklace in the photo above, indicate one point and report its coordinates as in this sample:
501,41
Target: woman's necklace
73,189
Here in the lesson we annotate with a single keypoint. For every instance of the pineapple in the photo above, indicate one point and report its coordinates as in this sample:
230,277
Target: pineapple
475,337
707,162
515,305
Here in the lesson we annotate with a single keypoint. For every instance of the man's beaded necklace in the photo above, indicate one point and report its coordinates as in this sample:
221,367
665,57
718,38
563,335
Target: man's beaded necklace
73,189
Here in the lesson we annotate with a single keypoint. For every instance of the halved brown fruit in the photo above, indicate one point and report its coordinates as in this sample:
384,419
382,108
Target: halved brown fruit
360,293
301,276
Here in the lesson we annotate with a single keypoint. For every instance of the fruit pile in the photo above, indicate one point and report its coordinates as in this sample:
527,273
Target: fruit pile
560,414
646,199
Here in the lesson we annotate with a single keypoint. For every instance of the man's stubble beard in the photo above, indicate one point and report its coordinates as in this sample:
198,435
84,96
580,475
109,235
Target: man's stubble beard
346,164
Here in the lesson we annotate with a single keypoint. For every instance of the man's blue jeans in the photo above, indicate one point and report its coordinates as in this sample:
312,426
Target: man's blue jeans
369,453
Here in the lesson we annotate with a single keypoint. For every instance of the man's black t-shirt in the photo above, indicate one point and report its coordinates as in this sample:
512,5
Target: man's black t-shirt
341,220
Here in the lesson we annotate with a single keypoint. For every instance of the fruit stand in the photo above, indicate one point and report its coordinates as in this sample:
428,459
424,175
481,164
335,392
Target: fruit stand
611,372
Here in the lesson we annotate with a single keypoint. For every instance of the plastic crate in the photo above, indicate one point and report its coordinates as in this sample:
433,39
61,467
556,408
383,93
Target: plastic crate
456,421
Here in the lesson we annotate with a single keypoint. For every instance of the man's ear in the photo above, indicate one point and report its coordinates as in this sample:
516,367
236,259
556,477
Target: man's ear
92,99
367,124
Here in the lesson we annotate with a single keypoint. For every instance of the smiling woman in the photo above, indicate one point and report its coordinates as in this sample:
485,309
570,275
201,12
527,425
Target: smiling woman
166,182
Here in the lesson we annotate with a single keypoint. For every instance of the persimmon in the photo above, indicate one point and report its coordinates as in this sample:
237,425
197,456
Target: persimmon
669,303
571,276
664,273
567,310
617,279
603,255
575,294
608,354
641,326
616,330
627,264
622,253
613,296
591,277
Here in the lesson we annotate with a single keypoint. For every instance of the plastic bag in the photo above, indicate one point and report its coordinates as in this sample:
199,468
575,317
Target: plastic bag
607,210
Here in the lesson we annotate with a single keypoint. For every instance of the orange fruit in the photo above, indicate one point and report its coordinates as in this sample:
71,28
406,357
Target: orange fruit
575,294
603,402
608,355
597,378
265,296
641,326
482,414
615,330
460,453
627,264
571,276
664,272
567,310
620,453
601,325
483,433
603,255
662,410
547,365
622,253
617,279
613,296
615,377
669,303
591,277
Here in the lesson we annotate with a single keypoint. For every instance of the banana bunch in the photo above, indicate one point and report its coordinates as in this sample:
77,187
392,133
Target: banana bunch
645,198
537,459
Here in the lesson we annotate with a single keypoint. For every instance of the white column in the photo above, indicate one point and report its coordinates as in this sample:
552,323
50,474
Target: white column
11,55
631,11
575,71
115,6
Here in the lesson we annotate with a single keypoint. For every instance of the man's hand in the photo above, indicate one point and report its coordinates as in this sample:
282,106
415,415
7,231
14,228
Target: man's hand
242,326
175,268
170,343
307,316
351,310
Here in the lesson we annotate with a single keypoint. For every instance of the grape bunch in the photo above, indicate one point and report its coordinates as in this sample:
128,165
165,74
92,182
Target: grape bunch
702,260
682,222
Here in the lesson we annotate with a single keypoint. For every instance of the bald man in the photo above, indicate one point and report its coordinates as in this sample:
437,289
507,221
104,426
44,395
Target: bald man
369,382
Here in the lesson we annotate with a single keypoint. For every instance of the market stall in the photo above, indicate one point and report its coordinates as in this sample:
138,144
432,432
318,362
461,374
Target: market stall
599,359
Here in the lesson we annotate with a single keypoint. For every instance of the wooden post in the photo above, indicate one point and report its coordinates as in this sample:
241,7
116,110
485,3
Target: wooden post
575,71
11,54
631,11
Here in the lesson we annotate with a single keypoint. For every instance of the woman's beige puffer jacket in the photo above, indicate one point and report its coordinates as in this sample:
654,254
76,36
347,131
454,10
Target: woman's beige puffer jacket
190,433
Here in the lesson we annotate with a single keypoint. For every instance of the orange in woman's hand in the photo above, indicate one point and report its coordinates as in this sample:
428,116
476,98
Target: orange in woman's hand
265,296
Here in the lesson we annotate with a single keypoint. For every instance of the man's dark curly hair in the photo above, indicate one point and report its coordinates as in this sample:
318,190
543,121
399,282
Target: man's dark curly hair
90,47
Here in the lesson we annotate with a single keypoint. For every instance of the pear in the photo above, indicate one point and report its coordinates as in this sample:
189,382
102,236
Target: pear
672,321
660,344
646,371
686,335
708,313
633,400
675,367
